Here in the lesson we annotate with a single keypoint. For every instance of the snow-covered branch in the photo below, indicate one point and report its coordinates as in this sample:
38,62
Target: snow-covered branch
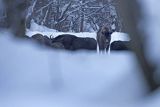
64,11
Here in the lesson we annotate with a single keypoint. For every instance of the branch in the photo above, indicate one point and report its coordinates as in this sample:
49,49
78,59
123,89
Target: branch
44,7
65,10
95,11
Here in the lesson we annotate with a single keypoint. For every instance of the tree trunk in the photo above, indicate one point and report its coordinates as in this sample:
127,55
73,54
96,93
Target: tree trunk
82,17
15,10
131,14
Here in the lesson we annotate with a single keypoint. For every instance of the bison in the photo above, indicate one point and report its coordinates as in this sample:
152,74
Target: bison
65,39
38,38
42,40
57,45
72,42
120,46
103,39
84,44
46,40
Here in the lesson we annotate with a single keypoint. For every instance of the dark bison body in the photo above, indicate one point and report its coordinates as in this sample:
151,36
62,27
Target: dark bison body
38,38
120,46
57,45
84,44
103,39
43,40
46,41
65,39
26,37
71,42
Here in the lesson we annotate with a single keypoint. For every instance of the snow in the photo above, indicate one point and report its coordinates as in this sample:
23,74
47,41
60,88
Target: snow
116,36
55,34
29,75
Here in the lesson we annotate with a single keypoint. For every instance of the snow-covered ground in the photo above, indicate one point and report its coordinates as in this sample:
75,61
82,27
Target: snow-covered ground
30,75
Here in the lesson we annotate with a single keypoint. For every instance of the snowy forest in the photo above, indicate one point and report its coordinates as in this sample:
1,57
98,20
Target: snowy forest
71,15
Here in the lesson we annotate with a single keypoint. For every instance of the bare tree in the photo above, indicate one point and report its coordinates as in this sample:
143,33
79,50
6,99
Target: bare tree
75,15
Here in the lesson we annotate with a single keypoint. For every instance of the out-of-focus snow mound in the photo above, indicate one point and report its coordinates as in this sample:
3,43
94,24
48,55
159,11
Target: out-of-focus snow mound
30,76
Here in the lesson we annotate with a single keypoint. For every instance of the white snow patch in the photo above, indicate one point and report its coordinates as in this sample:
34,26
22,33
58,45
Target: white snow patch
55,34
119,36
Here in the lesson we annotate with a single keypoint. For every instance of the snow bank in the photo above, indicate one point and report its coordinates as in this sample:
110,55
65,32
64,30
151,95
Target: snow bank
30,76
35,28
55,34
116,36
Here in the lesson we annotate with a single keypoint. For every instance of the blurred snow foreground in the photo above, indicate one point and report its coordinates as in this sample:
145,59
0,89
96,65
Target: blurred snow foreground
35,77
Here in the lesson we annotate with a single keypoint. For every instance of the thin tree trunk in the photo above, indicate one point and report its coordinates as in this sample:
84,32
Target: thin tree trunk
15,11
82,17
